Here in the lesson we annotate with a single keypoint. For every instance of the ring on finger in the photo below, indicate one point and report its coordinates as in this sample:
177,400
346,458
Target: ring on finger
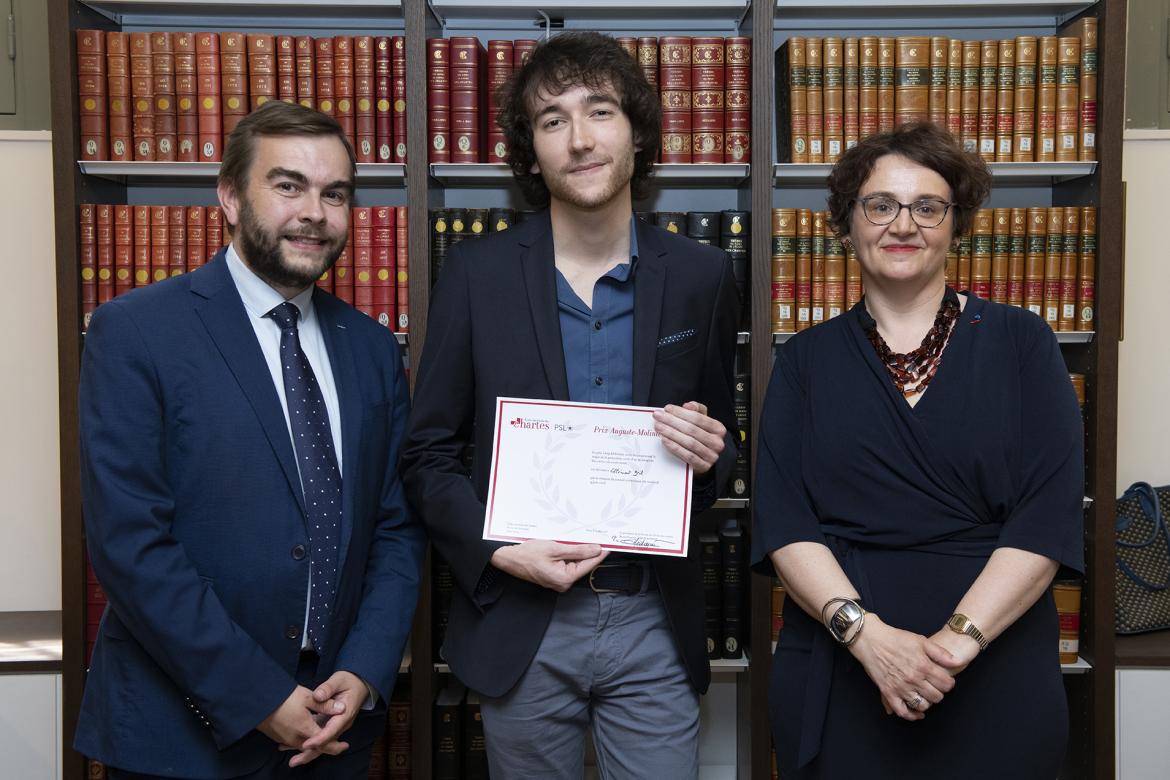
914,702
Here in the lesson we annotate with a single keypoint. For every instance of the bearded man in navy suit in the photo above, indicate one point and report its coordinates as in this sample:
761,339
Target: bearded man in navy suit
240,432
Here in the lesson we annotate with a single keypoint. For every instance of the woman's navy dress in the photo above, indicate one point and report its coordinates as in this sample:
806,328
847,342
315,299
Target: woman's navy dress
913,501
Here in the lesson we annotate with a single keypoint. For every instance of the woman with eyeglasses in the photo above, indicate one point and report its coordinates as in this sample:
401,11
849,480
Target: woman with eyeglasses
919,481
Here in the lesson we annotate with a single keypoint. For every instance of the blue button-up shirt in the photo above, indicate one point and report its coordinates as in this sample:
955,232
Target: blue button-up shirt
599,343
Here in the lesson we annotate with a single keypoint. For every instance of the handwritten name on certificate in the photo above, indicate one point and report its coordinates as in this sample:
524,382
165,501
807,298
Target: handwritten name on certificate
590,473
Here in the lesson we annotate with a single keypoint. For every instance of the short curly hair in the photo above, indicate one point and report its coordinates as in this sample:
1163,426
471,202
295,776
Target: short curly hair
924,143
574,59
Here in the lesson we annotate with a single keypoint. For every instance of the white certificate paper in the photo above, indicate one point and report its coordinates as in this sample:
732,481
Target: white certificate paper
586,473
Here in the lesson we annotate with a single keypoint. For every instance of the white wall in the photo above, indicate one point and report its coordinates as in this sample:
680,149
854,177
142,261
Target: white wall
30,514
1143,413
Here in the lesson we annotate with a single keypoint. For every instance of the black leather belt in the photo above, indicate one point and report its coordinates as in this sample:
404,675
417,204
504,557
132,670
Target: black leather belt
625,578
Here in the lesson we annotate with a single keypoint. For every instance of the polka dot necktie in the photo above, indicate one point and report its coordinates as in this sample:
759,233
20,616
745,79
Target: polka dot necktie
317,463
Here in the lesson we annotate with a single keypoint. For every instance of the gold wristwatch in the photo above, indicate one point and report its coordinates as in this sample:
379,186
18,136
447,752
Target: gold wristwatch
961,624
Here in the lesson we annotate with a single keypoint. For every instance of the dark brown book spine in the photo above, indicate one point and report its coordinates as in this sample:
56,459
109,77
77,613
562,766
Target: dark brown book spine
439,97
1018,250
981,253
804,242
647,58
209,86
186,98
1005,101
92,95
233,68
1069,257
1023,149
817,306
834,274
1001,241
1068,98
398,739
965,248
142,96
792,55
954,111
1086,269
499,69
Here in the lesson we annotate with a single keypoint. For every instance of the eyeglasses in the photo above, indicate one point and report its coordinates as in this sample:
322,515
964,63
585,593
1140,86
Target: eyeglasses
882,210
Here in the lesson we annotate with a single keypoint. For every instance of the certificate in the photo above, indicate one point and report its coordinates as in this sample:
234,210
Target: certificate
586,473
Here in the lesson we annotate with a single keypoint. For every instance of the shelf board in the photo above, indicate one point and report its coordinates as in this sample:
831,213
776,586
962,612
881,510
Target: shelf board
1080,666
998,13
141,172
1018,173
1143,650
1063,337
499,174
731,503
453,12
262,14
730,665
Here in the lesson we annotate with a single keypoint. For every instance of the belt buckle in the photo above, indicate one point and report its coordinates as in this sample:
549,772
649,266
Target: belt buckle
594,587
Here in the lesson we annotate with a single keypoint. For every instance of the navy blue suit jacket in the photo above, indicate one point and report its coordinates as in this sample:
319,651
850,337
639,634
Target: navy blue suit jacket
193,509
494,330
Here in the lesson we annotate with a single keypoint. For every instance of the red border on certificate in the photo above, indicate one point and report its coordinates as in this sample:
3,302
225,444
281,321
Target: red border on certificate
501,416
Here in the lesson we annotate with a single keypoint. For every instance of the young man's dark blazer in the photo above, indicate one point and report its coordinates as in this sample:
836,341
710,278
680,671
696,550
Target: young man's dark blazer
196,530
493,330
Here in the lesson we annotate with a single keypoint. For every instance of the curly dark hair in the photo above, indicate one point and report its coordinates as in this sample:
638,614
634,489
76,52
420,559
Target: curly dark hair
575,59
921,142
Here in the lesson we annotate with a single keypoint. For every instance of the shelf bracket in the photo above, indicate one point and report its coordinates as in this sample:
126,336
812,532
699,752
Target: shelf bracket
747,10
438,17
547,24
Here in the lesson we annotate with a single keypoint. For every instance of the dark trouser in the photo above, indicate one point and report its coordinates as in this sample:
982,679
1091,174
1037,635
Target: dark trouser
353,764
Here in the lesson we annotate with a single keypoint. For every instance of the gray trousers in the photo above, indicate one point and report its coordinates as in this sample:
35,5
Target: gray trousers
607,661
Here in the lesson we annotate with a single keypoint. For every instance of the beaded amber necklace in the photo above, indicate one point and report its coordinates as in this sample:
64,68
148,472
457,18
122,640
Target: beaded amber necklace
912,371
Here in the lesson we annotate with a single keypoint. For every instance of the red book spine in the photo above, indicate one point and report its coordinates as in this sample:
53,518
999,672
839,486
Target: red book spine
383,110
466,106
104,232
87,238
177,233
499,69
439,97
675,89
196,246
142,96
323,63
365,131
186,98
708,85
141,222
343,86
398,95
160,243
214,230
166,140
286,69
118,89
261,69
92,92
95,606
384,295
123,249
402,279
208,85
306,71
363,261
343,278
233,67
737,145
